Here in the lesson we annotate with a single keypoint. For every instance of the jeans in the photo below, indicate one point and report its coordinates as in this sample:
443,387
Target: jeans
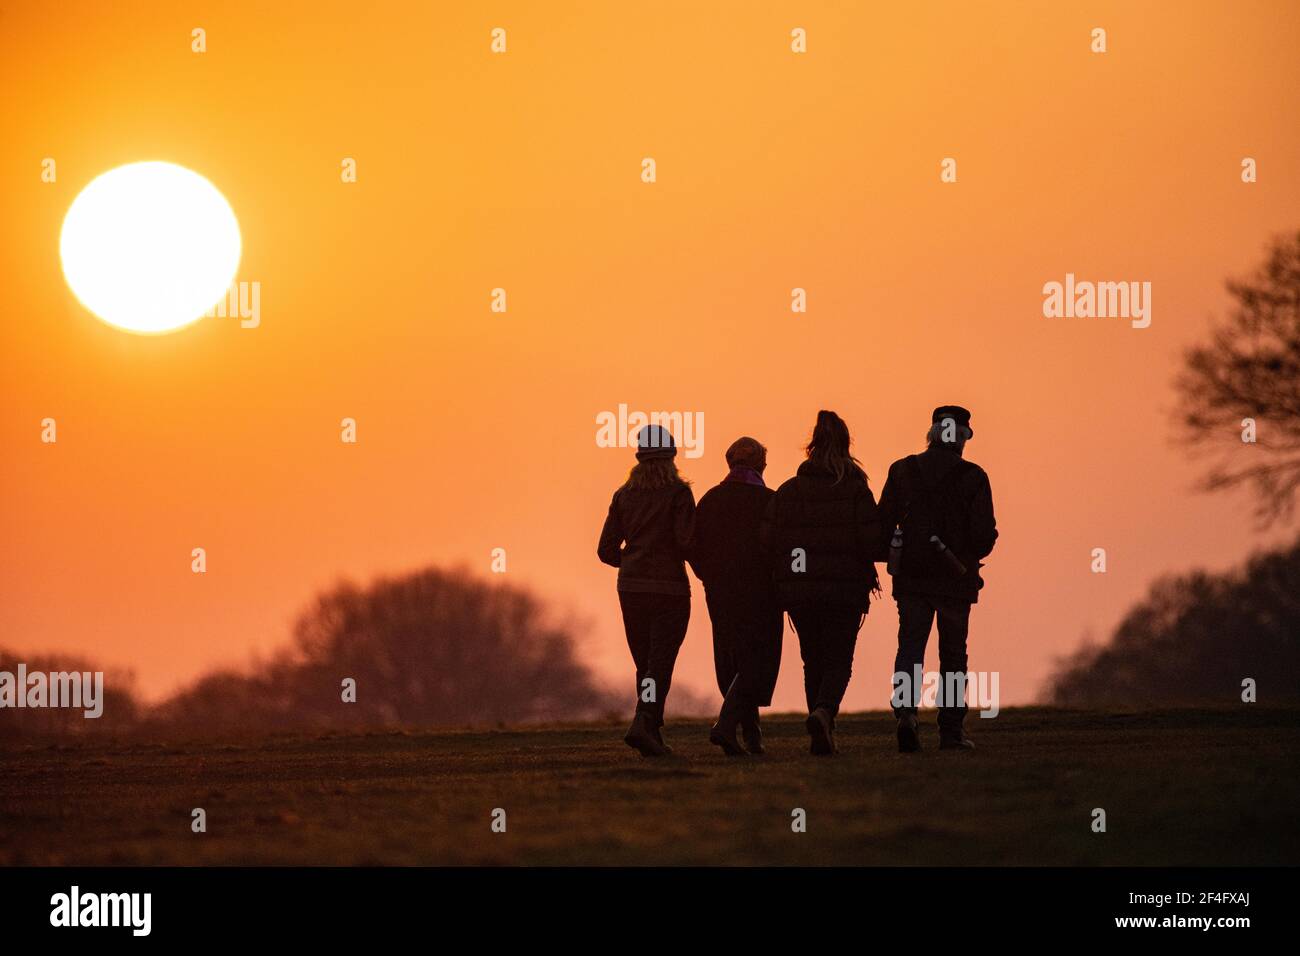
827,639
916,615
655,626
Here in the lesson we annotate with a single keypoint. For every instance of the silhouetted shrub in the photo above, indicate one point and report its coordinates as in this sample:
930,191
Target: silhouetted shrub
1194,639
120,709
430,648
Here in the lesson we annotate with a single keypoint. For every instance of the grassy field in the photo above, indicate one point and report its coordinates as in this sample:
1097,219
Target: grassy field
1180,787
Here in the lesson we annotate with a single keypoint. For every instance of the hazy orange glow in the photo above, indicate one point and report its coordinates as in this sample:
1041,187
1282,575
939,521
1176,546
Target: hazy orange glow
522,171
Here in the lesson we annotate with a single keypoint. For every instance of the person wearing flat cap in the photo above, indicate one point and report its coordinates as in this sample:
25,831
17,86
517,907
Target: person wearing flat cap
726,555
646,535
941,507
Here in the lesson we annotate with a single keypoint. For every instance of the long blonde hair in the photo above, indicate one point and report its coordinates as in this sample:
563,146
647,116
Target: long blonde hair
654,473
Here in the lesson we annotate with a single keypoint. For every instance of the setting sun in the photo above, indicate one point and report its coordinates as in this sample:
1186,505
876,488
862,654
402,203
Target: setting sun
149,247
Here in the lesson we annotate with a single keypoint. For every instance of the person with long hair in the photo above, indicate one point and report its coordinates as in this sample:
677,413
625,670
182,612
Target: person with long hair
823,533
646,536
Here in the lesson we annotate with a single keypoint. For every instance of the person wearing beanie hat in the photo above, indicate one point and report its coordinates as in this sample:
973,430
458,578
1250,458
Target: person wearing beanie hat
726,556
938,508
646,534
655,441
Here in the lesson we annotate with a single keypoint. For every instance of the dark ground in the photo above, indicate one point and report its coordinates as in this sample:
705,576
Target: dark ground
1178,787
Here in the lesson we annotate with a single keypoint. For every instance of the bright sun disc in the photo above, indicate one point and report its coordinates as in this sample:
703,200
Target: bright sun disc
149,247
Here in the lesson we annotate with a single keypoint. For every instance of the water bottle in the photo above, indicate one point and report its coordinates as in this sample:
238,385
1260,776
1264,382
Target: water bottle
952,560
895,563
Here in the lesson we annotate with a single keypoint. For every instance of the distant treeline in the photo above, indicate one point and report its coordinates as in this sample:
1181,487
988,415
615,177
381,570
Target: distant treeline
445,648
117,689
1195,639
432,648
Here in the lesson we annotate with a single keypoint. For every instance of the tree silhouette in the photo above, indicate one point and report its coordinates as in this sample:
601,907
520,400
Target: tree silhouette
1251,370
121,708
429,648
1195,639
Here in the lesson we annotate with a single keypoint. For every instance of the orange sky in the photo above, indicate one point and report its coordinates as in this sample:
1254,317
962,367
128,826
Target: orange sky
477,430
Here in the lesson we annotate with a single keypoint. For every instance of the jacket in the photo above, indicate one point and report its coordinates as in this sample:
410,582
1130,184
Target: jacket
726,552
965,509
835,526
646,534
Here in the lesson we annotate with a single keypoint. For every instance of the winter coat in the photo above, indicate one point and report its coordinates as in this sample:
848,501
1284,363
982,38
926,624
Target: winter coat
726,552
646,535
822,536
960,501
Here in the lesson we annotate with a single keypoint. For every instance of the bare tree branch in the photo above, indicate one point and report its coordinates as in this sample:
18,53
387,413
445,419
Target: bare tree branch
1251,370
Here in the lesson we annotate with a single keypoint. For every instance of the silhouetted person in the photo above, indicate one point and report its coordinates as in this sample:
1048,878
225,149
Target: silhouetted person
747,623
936,495
823,531
645,536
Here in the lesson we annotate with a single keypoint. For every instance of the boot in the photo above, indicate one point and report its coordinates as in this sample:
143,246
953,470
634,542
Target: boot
951,734
723,733
752,733
909,737
659,736
641,736
820,733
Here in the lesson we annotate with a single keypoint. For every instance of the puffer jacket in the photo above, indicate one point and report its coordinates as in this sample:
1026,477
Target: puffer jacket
836,526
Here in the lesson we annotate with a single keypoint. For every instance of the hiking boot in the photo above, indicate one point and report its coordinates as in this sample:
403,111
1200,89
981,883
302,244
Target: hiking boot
821,738
641,736
659,736
909,738
723,733
752,734
727,741
955,741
